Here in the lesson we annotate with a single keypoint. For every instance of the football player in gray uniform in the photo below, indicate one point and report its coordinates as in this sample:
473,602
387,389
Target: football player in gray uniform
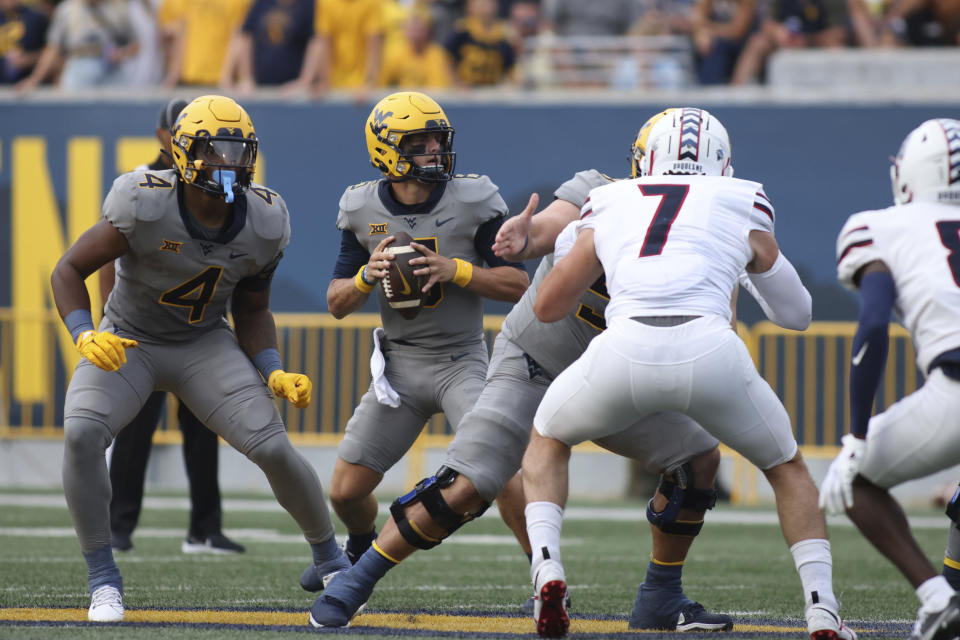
488,447
186,241
453,220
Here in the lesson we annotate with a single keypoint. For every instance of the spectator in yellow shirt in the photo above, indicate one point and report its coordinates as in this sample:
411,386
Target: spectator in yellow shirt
345,51
415,61
199,32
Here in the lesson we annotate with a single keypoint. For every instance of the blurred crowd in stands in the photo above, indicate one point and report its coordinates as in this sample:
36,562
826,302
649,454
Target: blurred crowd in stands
309,47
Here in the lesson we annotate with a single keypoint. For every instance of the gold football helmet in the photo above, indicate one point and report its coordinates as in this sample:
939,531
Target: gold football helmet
400,115
214,132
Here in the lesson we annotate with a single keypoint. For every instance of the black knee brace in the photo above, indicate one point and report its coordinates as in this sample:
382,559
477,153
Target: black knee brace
428,493
953,507
681,493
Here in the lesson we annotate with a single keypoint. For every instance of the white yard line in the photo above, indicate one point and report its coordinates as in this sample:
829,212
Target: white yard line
720,515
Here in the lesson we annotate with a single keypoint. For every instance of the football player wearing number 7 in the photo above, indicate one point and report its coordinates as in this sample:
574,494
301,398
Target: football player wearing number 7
905,258
671,246
436,361
186,240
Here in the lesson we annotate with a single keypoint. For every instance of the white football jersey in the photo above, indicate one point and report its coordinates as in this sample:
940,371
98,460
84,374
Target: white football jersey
675,245
920,244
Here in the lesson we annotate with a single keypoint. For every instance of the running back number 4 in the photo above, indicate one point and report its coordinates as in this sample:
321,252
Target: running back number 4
671,197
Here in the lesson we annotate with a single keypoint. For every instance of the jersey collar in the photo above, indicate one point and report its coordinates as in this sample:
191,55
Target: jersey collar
400,209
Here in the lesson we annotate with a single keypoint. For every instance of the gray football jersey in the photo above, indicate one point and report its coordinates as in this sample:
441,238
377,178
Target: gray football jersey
555,345
451,315
174,282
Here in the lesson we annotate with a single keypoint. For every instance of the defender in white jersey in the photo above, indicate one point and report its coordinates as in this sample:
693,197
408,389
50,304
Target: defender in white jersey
672,245
487,449
436,361
906,259
185,241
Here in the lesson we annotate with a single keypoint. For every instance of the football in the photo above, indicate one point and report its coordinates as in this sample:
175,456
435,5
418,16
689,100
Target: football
401,288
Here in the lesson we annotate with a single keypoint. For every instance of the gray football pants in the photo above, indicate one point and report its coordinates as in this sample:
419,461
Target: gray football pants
491,439
217,381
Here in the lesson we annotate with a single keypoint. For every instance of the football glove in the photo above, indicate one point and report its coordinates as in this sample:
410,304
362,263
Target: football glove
836,492
104,349
295,387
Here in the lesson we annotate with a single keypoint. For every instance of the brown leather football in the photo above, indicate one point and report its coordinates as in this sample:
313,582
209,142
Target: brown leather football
401,288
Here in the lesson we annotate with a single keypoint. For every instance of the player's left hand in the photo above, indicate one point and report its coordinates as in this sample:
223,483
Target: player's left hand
836,492
295,387
436,267
514,233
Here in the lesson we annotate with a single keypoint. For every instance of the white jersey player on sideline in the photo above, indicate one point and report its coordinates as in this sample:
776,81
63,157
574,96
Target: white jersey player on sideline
671,246
905,258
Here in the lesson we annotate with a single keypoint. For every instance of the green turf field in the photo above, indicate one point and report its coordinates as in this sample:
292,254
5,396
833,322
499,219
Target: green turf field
740,568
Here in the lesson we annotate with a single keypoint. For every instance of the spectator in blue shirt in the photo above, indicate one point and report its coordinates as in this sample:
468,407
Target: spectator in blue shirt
270,47
22,36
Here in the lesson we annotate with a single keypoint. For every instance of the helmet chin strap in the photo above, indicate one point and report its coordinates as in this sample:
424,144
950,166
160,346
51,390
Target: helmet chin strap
226,178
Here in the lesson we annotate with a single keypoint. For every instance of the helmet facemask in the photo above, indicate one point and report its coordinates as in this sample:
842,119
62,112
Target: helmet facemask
439,171
219,165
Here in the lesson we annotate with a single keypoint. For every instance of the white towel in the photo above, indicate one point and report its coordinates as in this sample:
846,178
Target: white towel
381,386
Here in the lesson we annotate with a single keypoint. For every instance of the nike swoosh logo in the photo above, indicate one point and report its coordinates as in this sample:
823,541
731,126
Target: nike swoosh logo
405,291
857,358
236,255
455,358
440,223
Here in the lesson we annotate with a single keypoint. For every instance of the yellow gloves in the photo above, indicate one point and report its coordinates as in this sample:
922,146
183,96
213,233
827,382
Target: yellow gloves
104,349
295,387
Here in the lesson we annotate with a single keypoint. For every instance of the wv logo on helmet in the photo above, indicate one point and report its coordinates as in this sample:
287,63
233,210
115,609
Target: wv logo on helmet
379,121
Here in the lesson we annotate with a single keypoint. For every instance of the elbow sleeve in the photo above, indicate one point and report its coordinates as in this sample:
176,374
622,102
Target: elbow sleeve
781,294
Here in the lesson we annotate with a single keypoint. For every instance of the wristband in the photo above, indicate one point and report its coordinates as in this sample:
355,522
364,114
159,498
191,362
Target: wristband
526,241
464,273
360,283
78,321
267,361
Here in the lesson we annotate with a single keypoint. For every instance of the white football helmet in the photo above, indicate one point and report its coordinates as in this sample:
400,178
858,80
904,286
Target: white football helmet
687,141
928,163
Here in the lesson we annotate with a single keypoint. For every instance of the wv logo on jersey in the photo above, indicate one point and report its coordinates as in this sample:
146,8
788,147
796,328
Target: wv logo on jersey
953,148
379,121
378,228
169,245
689,135
410,221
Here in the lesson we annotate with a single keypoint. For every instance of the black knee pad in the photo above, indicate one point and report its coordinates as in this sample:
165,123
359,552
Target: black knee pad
427,492
680,493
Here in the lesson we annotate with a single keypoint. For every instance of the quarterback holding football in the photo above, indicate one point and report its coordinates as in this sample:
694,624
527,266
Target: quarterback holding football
452,220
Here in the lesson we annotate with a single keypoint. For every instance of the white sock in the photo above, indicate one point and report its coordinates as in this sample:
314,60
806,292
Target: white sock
543,528
815,566
935,593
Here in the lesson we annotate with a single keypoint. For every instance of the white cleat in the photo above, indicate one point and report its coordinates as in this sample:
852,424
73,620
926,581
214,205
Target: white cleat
106,605
550,598
824,623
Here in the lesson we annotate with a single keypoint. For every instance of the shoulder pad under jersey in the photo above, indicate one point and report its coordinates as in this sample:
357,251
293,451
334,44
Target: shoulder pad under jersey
472,187
856,247
575,189
267,212
356,196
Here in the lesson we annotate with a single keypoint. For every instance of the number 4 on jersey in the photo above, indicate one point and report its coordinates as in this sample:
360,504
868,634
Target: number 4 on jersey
182,295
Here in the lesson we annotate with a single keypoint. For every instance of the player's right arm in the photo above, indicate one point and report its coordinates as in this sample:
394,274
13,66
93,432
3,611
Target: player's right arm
101,244
356,274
